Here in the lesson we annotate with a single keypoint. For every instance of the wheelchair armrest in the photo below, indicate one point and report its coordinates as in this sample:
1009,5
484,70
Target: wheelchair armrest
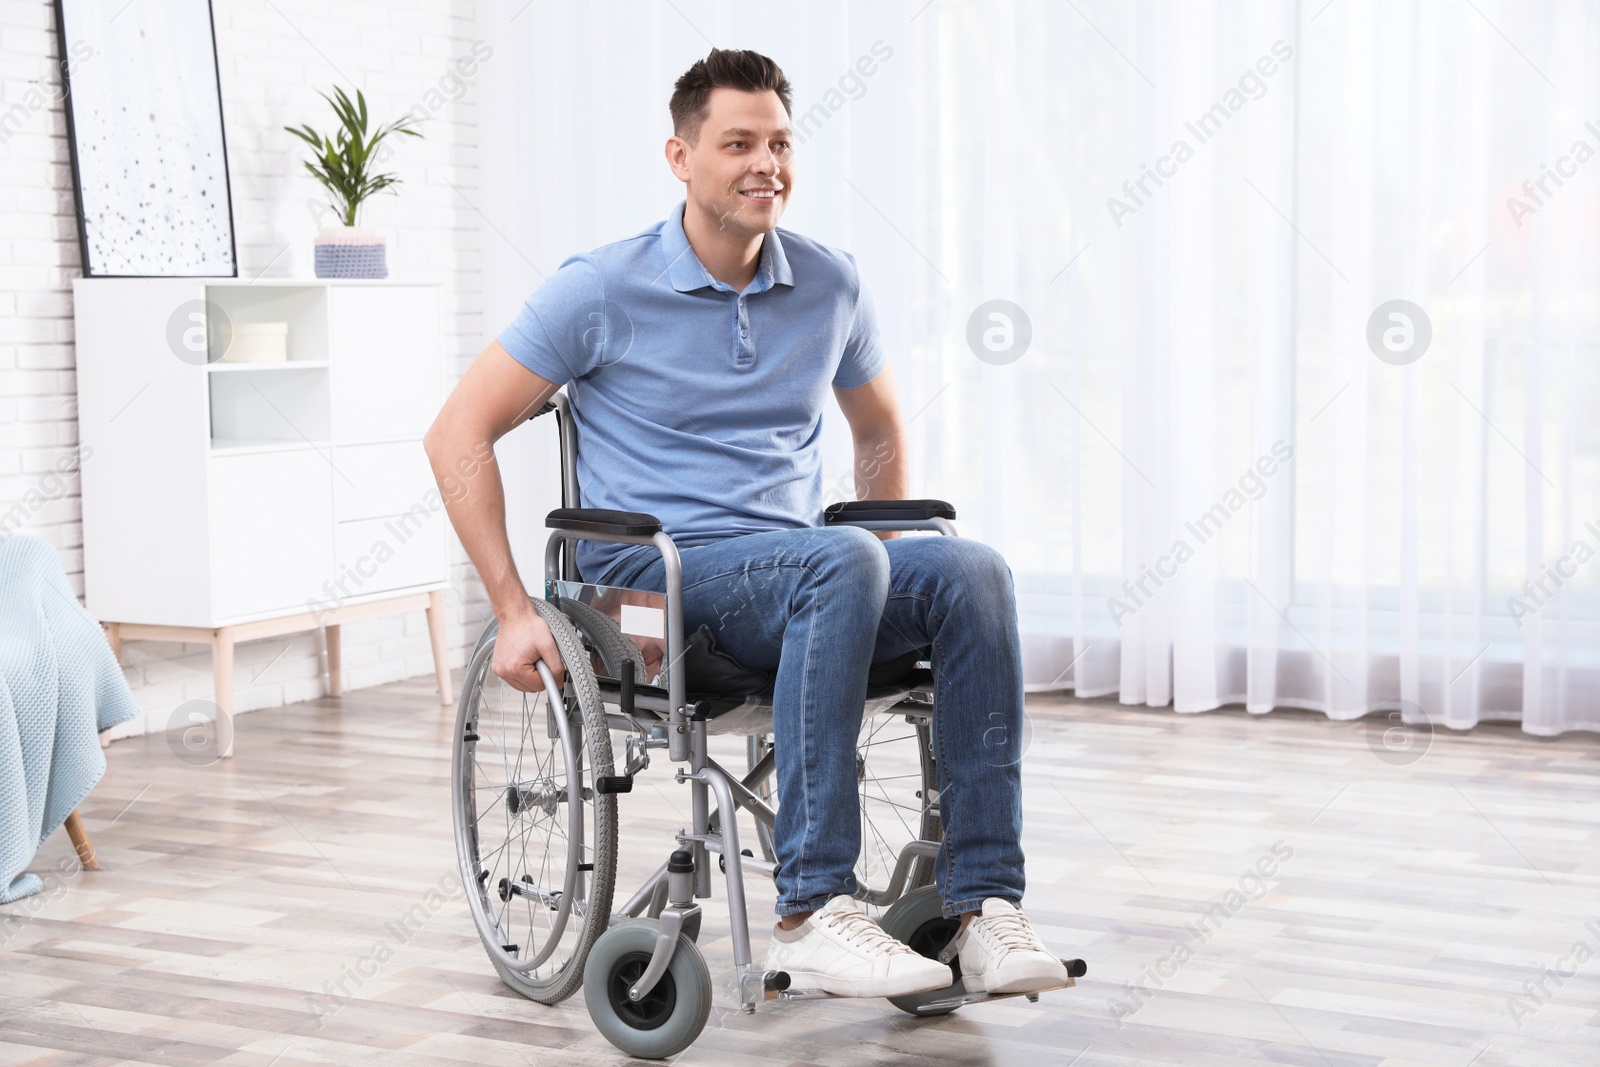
847,511
603,521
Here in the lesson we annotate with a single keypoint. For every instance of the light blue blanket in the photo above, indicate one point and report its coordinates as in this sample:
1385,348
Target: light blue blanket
60,685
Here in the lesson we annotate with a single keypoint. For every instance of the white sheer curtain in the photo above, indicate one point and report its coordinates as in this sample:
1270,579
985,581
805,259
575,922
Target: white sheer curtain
1210,487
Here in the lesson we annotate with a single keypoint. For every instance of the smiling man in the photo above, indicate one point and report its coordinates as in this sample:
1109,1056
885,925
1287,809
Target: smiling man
698,357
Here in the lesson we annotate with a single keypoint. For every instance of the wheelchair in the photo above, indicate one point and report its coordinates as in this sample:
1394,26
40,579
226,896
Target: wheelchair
536,789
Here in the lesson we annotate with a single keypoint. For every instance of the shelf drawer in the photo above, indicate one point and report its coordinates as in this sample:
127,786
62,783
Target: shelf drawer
375,481
376,555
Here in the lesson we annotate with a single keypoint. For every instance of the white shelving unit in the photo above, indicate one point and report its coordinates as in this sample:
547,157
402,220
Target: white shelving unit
228,501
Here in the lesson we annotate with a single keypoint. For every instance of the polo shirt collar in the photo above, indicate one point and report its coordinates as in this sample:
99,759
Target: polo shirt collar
687,273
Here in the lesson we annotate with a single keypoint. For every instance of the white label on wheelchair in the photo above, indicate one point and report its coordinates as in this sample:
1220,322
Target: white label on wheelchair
642,621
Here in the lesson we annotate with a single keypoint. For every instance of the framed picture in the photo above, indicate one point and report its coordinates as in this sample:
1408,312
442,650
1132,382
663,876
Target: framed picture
144,122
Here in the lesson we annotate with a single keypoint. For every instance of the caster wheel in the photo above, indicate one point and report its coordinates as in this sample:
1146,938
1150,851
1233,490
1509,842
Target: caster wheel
918,920
666,1021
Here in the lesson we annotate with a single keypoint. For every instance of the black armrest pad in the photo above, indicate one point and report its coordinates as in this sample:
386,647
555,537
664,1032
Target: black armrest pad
603,521
886,510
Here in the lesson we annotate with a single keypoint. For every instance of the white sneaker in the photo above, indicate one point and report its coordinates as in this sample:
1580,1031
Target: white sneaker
1000,953
841,950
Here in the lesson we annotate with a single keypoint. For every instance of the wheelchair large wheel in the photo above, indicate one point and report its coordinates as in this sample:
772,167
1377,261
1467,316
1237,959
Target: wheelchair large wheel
536,842
897,782
603,632
897,785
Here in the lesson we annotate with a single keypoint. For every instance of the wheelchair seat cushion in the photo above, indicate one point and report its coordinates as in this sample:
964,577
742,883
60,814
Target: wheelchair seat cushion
711,672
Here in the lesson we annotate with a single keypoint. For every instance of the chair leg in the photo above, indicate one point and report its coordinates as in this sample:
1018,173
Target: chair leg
335,660
441,651
222,670
80,841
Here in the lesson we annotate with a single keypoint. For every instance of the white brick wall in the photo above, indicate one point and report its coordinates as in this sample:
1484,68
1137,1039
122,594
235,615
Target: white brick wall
272,60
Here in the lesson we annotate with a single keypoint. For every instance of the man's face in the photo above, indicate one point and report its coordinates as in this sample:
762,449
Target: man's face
739,170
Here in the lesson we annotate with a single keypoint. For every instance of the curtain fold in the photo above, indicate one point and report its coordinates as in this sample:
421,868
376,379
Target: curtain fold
1224,472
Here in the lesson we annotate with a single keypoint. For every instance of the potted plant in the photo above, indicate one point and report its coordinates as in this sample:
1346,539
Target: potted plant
344,165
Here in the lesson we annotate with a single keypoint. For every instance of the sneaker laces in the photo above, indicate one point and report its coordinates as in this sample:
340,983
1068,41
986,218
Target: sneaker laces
858,928
1011,930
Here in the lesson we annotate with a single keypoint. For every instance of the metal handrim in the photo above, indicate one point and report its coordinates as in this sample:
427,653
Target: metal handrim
483,874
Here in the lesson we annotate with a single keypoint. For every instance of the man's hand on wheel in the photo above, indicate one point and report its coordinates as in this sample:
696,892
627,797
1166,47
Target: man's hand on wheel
523,640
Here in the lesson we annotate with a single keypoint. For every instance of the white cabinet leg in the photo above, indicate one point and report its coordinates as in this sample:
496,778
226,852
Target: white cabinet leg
222,670
441,652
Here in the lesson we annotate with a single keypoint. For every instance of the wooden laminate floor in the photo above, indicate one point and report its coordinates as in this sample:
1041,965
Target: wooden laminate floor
1281,890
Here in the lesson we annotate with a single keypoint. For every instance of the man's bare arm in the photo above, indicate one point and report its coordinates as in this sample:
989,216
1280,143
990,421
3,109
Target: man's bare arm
878,431
496,395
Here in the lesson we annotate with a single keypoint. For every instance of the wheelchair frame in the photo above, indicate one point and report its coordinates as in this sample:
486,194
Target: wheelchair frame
671,721
687,743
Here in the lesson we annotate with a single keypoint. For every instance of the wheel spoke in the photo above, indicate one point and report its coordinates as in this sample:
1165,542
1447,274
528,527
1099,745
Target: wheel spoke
890,755
886,741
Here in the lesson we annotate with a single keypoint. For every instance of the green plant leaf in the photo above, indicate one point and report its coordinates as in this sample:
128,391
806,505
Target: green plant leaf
307,135
344,161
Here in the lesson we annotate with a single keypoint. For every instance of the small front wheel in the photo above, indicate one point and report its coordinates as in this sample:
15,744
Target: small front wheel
670,1016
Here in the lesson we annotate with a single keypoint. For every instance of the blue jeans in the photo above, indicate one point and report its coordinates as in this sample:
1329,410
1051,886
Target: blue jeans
821,605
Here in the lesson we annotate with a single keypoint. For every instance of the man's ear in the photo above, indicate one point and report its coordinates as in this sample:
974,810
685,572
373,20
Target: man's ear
677,153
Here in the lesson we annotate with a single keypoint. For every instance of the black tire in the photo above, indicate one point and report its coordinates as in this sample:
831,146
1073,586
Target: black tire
916,919
668,1020
517,894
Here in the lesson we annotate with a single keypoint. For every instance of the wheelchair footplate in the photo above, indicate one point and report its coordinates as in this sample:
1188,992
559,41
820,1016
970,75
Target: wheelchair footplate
953,997
960,996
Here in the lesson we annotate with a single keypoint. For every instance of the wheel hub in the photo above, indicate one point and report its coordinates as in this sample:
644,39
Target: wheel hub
542,793
658,1004
931,939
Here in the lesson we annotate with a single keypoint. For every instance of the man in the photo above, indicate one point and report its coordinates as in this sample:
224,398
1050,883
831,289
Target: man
697,357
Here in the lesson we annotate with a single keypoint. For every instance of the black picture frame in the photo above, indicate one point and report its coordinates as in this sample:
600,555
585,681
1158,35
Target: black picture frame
91,266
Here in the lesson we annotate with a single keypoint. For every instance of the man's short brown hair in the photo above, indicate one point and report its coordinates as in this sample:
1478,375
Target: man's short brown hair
725,68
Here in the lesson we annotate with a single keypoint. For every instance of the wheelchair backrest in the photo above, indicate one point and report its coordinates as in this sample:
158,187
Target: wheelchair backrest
571,497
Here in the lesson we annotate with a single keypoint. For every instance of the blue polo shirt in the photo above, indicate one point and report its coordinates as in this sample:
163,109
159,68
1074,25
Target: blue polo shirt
694,403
